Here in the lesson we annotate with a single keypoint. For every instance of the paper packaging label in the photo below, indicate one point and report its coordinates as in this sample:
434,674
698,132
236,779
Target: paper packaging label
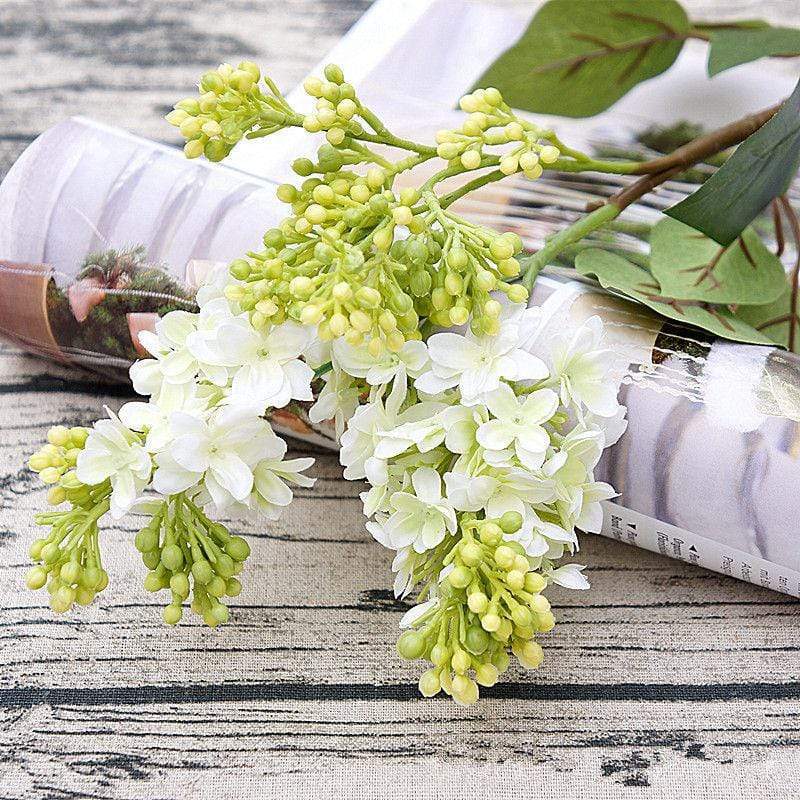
631,527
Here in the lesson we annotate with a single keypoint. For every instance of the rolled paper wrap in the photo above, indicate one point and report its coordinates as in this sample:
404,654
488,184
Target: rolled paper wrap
101,232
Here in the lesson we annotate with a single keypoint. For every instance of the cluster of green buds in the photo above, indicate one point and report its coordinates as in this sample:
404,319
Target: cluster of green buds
68,560
490,604
491,122
188,554
231,105
356,257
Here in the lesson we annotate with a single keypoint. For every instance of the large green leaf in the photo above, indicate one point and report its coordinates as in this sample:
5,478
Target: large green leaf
774,319
578,57
733,46
691,266
762,168
616,272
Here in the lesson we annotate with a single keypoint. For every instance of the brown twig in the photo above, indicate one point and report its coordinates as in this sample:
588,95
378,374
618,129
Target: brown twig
710,143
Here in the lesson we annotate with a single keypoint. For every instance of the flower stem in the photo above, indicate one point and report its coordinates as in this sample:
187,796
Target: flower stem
533,265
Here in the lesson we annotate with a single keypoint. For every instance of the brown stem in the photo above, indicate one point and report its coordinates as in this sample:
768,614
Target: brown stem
698,149
710,143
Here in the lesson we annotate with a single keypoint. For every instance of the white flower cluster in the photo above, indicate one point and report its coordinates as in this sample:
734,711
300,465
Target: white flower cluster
480,453
211,380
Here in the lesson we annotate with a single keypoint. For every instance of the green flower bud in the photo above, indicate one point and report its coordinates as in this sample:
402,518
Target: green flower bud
152,582
490,534
179,585
460,662
508,267
458,258
216,586
535,582
367,297
313,86
215,150
172,614
70,572
549,154
478,602
172,557
486,674
471,159
213,82
237,548
303,166
411,645
517,293
56,495
37,578
429,684
193,149
233,587
146,540
510,522
92,578
334,73
220,613
476,640
202,571
522,617
84,596
460,577
51,553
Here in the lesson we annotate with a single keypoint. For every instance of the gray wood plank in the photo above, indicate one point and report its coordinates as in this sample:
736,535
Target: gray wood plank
663,679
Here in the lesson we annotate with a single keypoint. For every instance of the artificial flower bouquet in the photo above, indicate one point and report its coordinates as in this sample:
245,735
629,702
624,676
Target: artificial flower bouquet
478,443
404,325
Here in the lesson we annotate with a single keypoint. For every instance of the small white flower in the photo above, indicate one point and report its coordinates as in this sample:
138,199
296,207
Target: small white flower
467,492
517,489
367,428
338,400
271,476
582,368
152,418
174,364
425,433
268,369
590,517
357,361
113,451
477,364
518,421
219,451
423,518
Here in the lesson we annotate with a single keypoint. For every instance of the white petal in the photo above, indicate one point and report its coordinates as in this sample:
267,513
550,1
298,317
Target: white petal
570,576
427,485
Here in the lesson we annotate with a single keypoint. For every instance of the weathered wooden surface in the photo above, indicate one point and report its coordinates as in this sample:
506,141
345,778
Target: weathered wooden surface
663,680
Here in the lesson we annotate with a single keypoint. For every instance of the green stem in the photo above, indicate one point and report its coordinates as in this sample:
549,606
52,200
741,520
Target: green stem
533,265
483,180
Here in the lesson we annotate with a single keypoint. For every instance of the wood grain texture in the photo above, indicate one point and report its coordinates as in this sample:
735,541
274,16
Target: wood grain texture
663,681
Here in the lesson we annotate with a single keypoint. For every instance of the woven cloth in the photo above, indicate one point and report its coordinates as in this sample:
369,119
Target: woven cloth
663,681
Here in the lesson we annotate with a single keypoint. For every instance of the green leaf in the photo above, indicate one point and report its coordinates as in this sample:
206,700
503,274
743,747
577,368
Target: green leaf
774,319
578,57
761,168
691,266
616,272
731,47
